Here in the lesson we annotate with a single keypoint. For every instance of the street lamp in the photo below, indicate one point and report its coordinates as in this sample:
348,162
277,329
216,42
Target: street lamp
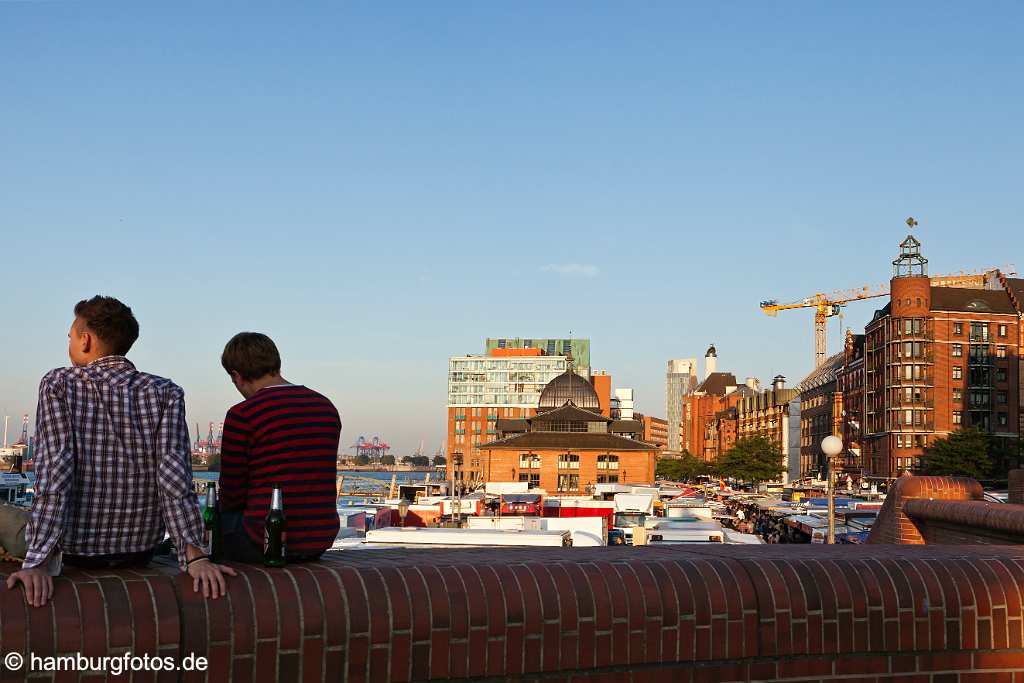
831,446
403,510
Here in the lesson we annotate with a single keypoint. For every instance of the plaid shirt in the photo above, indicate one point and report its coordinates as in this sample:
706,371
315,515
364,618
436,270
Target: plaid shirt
113,465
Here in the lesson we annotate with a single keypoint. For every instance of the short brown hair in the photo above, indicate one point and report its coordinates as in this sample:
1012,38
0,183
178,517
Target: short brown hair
252,355
111,321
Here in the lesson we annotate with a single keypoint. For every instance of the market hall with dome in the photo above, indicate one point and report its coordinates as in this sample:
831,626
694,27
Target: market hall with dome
569,445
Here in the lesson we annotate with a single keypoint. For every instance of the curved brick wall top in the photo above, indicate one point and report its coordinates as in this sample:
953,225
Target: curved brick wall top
894,526
707,612
977,518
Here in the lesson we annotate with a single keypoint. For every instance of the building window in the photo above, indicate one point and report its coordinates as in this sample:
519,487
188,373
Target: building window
957,418
1001,397
528,461
532,479
958,328
958,350
568,482
568,461
1002,330
1000,352
979,332
958,372
958,395
608,462
1002,419
607,479
1001,374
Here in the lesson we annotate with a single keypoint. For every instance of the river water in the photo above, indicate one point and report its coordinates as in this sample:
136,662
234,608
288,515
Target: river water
353,478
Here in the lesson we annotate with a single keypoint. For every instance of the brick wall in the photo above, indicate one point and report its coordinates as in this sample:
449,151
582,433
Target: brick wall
1016,487
708,613
943,510
895,526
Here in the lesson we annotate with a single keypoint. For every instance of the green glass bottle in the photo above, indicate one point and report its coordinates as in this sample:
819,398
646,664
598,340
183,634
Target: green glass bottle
275,534
211,521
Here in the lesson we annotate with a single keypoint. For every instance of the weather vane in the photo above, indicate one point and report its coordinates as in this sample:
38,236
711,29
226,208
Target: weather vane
911,223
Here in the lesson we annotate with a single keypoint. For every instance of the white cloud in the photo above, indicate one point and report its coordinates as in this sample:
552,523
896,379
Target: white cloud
572,269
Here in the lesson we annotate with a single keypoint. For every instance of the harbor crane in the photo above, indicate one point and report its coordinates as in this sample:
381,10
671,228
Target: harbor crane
825,306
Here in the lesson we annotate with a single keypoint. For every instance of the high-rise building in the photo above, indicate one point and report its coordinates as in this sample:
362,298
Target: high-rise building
622,404
578,349
680,381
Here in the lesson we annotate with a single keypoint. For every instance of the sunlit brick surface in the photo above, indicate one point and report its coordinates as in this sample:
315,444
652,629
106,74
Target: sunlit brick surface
714,613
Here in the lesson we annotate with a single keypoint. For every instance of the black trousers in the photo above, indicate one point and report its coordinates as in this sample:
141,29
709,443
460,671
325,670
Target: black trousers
238,545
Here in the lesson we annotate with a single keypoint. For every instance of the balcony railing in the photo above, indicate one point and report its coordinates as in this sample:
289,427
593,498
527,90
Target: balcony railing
902,336
914,402
904,382
925,426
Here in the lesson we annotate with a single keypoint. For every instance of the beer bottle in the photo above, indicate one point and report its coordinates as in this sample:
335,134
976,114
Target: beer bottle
211,520
274,532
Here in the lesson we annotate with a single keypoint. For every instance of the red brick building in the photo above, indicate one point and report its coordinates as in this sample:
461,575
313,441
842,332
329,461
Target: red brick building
655,430
821,410
701,407
936,359
569,446
850,385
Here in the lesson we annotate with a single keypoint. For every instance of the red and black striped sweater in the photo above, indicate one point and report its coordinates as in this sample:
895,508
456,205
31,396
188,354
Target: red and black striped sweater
283,436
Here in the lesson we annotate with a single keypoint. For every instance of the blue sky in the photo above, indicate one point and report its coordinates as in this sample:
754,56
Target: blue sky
382,185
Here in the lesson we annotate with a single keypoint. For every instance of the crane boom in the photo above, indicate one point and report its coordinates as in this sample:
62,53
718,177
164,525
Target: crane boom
825,306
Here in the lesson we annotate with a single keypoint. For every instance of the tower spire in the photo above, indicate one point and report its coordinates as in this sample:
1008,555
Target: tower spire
910,263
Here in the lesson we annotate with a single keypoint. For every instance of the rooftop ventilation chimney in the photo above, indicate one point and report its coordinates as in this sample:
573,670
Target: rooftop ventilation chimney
779,383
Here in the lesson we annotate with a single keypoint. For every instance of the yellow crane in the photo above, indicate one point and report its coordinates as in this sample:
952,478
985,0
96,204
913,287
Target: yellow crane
825,306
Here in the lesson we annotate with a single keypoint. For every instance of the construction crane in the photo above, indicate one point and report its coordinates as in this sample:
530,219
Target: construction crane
828,305
825,306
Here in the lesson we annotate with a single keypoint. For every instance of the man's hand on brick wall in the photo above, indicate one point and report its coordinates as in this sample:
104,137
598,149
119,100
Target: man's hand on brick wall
37,582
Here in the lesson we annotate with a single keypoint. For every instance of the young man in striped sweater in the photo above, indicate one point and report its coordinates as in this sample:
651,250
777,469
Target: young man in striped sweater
283,435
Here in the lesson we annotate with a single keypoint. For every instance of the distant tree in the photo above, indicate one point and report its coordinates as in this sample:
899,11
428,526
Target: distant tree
755,460
361,459
964,453
213,462
387,460
406,460
419,461
439,460
687,467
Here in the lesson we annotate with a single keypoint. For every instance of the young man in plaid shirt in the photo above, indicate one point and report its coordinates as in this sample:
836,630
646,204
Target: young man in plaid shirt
113,463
